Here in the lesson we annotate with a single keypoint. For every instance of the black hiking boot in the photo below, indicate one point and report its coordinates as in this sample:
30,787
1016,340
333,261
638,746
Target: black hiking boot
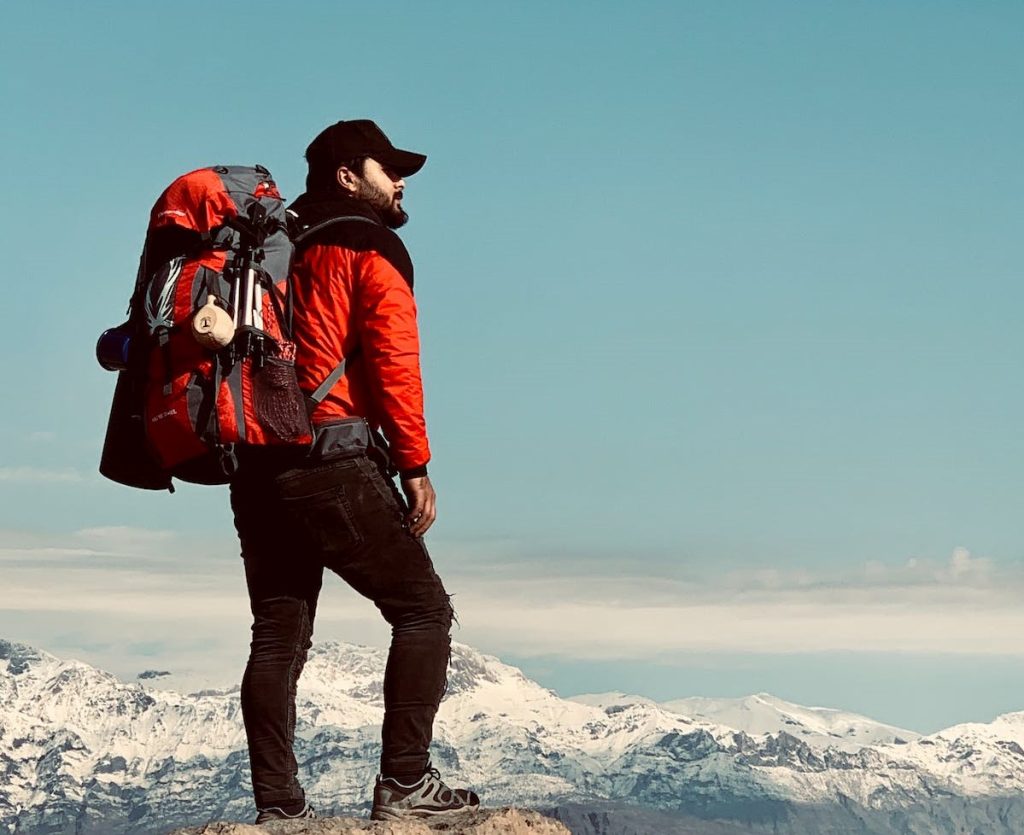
276,813
427,797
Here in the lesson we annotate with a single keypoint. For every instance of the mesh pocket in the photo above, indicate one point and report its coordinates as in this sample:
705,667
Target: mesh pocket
278,402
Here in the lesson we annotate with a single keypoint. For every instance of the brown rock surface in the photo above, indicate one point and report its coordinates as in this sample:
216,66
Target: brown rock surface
482,822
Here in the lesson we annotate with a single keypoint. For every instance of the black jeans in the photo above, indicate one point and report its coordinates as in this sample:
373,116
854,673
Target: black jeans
345,515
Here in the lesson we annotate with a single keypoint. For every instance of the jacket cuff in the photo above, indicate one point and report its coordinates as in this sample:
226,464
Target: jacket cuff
413,472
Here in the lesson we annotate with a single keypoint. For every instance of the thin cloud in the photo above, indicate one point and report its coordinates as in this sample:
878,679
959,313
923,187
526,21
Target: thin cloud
961,568
963,605
45,553
122,539
124,532
39,475
785,625
157,582
95,543
118,549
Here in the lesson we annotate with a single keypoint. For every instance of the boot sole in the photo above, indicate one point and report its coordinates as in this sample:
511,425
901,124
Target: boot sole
384,813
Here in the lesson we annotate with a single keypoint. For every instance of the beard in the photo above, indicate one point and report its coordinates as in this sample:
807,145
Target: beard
393,215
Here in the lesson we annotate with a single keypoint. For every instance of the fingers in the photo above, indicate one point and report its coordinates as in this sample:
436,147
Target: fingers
423,505
423,514
412,519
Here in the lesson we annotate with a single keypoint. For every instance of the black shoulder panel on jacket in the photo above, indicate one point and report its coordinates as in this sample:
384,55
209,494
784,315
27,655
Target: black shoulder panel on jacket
364,237
357,235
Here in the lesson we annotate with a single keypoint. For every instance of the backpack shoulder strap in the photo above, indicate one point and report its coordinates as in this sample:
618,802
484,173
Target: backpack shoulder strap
316,398
298,239
303,236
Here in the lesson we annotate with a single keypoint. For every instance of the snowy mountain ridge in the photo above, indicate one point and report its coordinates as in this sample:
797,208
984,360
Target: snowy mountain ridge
763,713
82,751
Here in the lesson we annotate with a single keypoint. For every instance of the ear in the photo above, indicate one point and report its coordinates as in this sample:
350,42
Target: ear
347,179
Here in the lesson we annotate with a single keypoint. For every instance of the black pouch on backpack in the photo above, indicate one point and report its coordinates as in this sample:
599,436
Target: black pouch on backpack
126,458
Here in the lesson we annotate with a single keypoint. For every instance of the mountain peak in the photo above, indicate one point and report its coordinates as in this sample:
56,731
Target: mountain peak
20,657
469,668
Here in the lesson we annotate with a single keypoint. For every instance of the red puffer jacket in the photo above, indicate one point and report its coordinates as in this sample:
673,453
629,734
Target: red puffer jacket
353,298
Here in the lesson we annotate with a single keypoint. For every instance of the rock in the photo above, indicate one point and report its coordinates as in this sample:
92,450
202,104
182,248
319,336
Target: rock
483,822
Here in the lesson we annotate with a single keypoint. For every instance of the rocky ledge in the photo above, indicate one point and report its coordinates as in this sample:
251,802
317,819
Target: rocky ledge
483,822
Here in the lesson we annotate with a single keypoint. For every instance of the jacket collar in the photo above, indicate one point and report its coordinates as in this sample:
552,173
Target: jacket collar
310,209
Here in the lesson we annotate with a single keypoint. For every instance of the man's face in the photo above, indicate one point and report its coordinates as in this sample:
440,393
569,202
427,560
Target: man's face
382,188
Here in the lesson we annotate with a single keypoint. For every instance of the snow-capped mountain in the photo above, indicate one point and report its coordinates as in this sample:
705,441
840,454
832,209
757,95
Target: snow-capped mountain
819,727
81,751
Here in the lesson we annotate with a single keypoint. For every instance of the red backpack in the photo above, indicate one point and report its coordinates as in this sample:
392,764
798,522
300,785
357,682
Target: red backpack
206,359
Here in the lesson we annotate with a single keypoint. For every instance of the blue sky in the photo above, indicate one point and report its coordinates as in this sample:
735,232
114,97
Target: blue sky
720,308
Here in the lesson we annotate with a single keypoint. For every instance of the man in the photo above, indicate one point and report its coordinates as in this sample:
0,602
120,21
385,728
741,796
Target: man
337,508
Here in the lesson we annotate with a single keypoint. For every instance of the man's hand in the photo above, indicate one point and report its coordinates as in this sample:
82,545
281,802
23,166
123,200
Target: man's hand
422,504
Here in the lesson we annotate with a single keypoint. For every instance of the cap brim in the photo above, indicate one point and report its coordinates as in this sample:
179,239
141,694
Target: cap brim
403,163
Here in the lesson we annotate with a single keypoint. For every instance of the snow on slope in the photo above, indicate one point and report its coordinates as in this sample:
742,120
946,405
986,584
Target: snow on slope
761,714
819,727
79,744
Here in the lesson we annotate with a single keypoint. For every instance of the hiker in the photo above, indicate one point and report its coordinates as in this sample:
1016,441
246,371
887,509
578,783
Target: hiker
337,507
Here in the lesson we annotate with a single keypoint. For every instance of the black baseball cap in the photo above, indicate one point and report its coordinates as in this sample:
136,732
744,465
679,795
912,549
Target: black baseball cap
346,140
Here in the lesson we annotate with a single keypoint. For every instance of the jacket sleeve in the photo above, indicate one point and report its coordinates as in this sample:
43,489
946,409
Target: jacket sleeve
390,343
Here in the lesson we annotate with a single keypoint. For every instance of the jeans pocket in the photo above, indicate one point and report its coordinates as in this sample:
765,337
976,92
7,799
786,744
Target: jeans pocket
322,522
386,490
